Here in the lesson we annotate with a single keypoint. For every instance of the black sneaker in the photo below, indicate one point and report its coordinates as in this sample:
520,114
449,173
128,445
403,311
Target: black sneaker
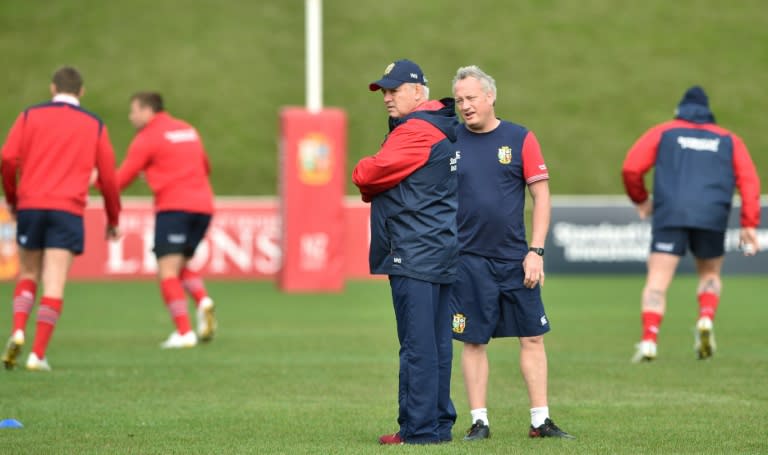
478,430
549,430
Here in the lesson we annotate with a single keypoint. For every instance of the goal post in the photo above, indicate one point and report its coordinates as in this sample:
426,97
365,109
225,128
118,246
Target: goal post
312,179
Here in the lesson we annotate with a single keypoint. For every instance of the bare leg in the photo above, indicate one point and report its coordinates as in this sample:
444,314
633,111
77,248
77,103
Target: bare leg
56,264
169,271
708,296
710,284
30,264
474,365
533,365
170,265
661,270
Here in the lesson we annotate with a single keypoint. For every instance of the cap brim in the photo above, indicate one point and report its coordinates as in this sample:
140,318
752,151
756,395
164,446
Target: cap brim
384,83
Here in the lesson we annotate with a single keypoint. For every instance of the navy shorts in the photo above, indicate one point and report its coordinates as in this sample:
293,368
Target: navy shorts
489,299
704,243
178,232
40,229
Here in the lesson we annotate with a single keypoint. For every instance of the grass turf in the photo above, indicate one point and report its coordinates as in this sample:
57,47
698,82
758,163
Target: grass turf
318,374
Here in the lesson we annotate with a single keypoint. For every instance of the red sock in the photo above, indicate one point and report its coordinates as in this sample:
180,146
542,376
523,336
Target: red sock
651,323
708,304
193,284
47,315
176,301
23,299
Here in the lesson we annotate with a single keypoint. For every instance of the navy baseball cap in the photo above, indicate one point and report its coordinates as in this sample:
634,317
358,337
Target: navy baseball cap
398,73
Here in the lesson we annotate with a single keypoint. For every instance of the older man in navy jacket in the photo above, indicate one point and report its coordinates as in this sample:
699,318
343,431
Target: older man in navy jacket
411,183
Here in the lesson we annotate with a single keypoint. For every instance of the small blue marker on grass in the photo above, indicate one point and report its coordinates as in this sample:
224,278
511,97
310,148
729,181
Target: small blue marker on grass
10,423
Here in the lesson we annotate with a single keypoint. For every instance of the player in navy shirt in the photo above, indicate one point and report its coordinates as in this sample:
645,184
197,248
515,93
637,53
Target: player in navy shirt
497,289
698,164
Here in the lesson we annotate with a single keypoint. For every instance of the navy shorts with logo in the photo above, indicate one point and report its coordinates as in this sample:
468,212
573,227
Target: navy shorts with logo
37,229
704,243
179,232
489,300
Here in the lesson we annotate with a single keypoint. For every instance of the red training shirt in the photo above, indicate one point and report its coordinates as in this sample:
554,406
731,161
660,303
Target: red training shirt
173,159
53,148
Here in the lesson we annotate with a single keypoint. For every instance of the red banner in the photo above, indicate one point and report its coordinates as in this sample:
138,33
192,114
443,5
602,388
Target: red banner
312,177
243,242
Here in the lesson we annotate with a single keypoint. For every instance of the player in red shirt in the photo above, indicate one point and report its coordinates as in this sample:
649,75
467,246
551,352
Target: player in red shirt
171,155
47,161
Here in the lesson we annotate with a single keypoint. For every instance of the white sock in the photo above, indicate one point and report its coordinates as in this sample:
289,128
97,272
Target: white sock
539,415
480,414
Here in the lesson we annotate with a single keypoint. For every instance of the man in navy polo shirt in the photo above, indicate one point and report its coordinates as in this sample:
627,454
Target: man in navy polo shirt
497,290
698,164
411,185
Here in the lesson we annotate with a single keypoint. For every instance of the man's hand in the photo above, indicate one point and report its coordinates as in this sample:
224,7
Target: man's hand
533,266
644,209
748,241
113,233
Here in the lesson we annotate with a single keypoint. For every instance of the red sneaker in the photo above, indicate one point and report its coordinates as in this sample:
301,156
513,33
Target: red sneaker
391,439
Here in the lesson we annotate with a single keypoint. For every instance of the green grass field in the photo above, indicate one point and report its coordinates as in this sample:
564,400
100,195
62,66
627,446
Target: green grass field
587,76
317,374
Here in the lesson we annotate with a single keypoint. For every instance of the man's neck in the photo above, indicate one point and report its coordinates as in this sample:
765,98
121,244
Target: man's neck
66,98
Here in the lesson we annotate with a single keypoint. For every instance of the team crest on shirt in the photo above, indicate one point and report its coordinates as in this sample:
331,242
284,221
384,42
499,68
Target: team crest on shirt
459,322
505,154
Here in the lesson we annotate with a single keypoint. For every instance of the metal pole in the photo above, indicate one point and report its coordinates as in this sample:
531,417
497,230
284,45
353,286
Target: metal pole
314,54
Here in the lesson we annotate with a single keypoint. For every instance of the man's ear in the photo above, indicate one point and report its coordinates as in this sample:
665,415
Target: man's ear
419,91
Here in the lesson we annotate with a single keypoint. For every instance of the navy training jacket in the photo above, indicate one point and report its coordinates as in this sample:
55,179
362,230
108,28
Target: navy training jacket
413,223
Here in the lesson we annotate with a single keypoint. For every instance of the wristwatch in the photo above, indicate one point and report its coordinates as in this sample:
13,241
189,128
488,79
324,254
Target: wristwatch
539,251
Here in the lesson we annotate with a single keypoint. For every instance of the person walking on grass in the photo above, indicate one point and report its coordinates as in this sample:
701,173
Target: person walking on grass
698,165
170,153
47,163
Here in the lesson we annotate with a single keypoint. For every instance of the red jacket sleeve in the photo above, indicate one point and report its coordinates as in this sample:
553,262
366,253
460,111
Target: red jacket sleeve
11,154
207,164
748,183
105,163
405,150
135,161
534,168
639,160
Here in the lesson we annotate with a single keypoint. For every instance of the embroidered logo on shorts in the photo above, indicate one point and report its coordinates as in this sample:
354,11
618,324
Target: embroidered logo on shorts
544,320
666,247
505,155
177,238
459,322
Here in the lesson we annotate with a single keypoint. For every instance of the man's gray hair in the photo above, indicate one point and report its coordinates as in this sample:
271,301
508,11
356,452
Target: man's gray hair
424,88
488,83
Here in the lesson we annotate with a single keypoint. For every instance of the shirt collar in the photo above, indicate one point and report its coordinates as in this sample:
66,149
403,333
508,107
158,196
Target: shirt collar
66,98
